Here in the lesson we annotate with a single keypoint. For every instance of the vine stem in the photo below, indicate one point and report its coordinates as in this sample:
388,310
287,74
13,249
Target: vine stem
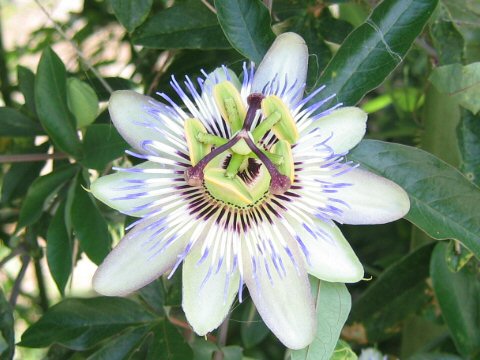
31,157
18,281
77,50
222,338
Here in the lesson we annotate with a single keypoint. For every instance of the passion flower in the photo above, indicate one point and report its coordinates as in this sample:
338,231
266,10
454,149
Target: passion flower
242,184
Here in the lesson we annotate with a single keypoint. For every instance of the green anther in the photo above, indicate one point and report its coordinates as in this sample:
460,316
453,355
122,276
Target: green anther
196,149
234,165
282,148
241,148
266,124
211,139
229,190
285,128
230,104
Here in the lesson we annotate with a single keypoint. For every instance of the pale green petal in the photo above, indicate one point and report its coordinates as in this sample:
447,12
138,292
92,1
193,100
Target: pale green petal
135,262
287,59
108,189
206,307
128,110
371,199
330,256
347,126
287,306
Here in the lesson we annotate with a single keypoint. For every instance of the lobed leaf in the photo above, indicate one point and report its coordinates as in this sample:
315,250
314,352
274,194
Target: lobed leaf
443,203
89,226
102,144
51,103
81,323
382,307
374,49
333,304
186,25
246,24
59,249
14,123
131,13
41,192
458,295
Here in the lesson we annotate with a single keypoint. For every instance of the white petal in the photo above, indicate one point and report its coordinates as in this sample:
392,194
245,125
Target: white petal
287,59
135,262
347,126
206,306
128,110
110,188
330,256
372,199
287,306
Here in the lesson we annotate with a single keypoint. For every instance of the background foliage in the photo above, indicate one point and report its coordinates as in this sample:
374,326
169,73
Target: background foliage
414,65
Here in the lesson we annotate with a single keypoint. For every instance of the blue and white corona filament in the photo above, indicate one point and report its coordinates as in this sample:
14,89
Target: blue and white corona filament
242,184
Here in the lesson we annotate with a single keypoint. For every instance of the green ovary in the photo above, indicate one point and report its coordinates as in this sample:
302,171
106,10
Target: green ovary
237,177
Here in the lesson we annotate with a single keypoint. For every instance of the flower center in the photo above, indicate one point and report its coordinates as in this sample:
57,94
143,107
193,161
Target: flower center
224,167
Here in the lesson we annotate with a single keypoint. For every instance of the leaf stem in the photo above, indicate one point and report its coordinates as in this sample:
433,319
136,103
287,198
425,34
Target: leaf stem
31,157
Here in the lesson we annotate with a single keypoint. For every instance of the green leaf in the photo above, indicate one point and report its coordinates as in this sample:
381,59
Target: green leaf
186,25
465,16
7,335
374,49
468,135
102,144
59,249
246,25
457,256
26,83
343,351
253,330
14,123
458,295
168,343
81,323
82,102
461,83
448,42
51,103
440,118
89,226
21,175
153,295
121,346
443,203
116,83
131,13
434,356
41,192
377,314
332,307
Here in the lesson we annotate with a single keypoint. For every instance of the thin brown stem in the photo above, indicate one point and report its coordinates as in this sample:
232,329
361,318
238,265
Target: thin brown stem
42,289
31,157
81,56
18,281
222,338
